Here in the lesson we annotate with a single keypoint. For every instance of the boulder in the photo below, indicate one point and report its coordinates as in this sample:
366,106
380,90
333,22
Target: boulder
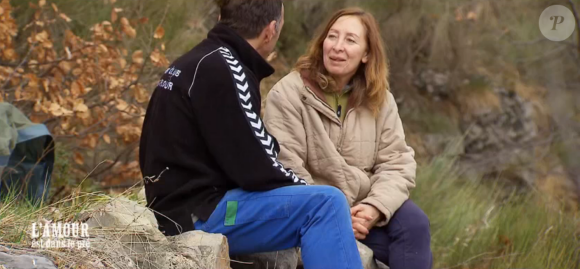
284,259
13,261
125,235
290,259
205,250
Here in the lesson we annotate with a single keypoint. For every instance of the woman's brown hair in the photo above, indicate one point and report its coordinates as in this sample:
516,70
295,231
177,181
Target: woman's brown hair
370,80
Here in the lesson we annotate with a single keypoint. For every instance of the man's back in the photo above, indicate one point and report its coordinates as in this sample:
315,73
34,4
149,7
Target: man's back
202,134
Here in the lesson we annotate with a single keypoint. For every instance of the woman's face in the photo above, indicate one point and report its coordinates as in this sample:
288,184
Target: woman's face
345,47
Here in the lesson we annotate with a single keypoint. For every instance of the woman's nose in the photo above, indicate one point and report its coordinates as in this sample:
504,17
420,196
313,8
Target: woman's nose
338,46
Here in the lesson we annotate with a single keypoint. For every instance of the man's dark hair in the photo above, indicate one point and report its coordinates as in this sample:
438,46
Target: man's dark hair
249,17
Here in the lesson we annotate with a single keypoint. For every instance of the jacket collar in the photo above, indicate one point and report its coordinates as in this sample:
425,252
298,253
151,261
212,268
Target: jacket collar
312,86
243,50
314,96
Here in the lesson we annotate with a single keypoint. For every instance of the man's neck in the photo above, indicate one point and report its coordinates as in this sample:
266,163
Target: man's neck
256,45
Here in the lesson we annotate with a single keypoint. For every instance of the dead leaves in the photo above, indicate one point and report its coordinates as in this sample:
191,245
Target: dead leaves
159,32
137,57
127,28
94,89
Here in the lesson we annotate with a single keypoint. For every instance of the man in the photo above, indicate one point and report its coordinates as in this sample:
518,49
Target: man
209,163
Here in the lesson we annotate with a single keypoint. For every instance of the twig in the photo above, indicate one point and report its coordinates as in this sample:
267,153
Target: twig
20,65
128,150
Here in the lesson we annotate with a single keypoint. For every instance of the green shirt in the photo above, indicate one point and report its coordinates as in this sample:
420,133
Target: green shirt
339,101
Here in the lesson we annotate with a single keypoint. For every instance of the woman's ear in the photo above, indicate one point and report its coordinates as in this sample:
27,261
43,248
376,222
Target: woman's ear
365,58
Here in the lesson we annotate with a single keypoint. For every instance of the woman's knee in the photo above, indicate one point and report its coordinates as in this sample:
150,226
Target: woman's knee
412,218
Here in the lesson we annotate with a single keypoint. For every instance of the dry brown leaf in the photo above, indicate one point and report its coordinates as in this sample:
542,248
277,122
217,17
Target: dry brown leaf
81,108
129,31
41,3
103,48
122,105
107,138
76,89
64,17
66,112
65,124
65,66
9,54
159,32
138,57
42,36
78,158
54,7
45,85
472,16
91,140
55,109
1,10
114,15
154,56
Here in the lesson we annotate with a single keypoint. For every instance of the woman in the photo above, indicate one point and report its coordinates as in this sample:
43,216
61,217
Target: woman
338,124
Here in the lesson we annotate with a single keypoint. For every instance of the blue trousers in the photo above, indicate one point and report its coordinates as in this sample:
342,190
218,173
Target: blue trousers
405,241
315,218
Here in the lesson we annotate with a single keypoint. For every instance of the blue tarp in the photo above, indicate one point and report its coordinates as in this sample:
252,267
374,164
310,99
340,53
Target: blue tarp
26,155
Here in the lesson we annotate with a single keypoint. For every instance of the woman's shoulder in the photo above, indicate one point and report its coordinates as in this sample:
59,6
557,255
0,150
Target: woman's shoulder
289,84
389,106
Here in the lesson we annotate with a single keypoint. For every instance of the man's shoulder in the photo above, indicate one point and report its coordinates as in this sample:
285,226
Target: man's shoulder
205,55
203,62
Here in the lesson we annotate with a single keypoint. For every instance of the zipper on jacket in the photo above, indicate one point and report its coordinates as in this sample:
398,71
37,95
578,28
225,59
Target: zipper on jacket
336,119
342,135
340,124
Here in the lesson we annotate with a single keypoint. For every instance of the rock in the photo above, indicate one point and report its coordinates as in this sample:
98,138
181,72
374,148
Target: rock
494,130
366,256
126,216
127,231
206,250
128,228
433,83
10,261
284,259
142,197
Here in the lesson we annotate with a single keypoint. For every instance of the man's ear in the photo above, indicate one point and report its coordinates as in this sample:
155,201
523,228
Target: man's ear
270,31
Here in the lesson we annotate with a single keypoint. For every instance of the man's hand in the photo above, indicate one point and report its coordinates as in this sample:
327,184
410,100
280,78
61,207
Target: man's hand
364,217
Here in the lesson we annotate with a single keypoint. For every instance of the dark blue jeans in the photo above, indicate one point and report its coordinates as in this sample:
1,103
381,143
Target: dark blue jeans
315,218
404,243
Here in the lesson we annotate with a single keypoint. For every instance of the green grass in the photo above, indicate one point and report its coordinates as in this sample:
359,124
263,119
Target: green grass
476,225
473,224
